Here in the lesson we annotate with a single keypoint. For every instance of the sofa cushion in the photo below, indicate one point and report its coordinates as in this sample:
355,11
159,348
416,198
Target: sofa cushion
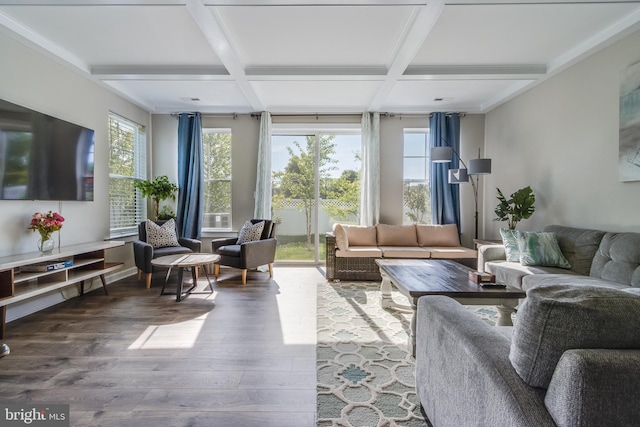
618,259
557,278
437,235
513,273
448,252
342,241
557,318
510,244
360,252
405,252
360,235
160,236
540,248
396,235
578,245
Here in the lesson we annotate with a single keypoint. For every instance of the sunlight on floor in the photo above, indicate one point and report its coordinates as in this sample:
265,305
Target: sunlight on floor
173,336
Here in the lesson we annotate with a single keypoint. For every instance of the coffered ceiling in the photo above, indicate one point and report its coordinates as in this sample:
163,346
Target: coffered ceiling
318,56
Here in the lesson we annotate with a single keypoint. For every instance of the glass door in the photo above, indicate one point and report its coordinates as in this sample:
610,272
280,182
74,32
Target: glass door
316,182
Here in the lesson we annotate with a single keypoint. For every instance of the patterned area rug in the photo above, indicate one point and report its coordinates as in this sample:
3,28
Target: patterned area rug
365,373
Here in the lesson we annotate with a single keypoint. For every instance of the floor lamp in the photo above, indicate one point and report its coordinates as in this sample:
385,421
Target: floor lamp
457,176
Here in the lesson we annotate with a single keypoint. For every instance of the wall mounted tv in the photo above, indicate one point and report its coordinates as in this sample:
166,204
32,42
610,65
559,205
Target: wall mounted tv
42,157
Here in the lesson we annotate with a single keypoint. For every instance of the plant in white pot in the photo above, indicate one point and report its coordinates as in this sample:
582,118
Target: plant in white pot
518,207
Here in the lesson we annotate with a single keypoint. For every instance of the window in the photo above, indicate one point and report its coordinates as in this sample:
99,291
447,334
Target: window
127,163
316,182
216,144
416,193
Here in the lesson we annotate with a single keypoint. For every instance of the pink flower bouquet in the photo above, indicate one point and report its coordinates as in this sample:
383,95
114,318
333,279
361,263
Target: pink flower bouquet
46,223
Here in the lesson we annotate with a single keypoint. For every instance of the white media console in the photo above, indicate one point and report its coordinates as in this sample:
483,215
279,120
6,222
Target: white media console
87,262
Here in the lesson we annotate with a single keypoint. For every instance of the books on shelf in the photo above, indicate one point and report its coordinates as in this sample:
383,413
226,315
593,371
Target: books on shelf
47,266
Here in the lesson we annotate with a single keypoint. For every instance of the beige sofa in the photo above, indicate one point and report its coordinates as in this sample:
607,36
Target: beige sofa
352,250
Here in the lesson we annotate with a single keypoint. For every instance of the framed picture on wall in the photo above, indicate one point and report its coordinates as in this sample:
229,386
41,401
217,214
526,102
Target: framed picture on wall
629,141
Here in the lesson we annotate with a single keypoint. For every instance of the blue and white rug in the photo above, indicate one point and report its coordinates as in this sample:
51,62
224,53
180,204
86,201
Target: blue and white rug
365,372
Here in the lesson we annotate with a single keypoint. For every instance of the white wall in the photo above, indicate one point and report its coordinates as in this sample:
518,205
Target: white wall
561,138
32,80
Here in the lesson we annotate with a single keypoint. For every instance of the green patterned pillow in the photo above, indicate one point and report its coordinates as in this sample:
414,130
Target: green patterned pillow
510,245
540,248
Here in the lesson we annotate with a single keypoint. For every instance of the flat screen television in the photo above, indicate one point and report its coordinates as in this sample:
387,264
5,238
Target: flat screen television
42,157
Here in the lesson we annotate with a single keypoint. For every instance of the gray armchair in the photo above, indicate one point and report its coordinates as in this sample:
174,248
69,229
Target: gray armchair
143,252
249,254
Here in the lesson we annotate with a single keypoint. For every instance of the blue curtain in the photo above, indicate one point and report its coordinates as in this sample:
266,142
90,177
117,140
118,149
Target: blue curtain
444,130
190,175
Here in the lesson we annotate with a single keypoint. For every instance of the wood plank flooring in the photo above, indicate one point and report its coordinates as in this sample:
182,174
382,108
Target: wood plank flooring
244,356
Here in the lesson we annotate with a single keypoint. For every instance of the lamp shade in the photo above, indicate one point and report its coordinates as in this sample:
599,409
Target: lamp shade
457,176
479,167
441,154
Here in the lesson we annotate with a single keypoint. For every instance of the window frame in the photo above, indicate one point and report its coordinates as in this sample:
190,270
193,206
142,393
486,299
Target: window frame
426,180
140,173
229,131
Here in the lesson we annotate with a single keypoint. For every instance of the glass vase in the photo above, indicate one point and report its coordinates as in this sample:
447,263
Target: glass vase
45,246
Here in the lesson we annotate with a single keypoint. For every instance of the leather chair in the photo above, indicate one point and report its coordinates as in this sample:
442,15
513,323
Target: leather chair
249,254
143,252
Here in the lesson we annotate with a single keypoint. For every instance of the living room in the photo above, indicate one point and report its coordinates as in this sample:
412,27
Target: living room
558,133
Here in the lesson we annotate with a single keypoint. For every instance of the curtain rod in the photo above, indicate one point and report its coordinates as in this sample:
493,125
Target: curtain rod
231,115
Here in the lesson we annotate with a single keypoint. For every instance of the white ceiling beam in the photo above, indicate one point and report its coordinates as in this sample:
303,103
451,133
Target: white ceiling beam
132,72
474,72
210,23
418,30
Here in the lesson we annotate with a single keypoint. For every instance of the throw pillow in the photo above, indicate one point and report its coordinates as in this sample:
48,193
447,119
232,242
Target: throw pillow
342,241
161,236
250,232
360,235
510,245
556,318
540,248
396,235
438,235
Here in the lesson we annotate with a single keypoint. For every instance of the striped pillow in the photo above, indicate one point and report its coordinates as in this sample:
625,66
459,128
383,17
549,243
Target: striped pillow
540,248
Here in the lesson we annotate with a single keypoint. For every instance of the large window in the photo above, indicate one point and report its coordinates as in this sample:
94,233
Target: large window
316,182
127,163
416,193
217,178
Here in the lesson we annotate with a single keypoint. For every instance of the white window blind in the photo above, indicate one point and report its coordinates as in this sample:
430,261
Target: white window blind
127,163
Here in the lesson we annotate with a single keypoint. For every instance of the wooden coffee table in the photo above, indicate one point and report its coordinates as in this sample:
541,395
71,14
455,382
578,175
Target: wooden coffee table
183,261
415,278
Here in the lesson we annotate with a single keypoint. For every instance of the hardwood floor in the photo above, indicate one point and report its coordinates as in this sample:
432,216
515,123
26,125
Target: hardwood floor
244,356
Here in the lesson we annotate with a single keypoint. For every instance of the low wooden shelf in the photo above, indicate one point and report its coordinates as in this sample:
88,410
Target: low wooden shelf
88,263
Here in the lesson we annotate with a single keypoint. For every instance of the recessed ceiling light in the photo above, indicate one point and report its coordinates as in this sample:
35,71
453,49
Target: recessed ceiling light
190,98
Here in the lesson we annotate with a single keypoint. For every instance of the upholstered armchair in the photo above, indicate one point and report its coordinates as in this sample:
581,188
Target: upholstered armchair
249,250
164,241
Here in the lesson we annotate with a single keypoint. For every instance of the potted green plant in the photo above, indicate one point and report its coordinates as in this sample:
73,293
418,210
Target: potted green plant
520,206
157,190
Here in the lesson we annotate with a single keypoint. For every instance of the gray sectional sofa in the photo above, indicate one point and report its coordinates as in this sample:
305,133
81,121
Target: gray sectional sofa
596,257
571,359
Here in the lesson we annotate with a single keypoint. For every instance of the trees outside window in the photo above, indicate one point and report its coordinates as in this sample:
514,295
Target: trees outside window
127,163
217,178
416,193
316,182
